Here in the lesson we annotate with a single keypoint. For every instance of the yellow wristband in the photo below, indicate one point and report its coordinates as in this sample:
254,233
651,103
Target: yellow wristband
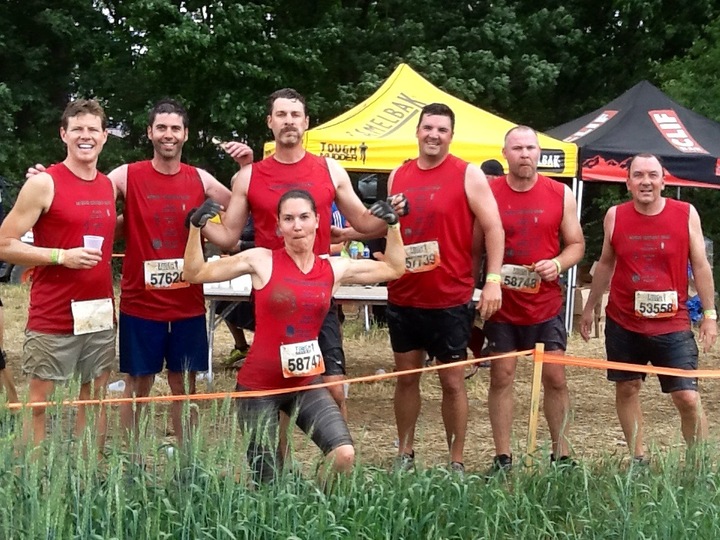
557,265
710,314
394,226
54,256
493,278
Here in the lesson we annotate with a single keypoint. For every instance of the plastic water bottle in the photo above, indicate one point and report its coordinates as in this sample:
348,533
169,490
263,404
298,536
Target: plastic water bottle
117,386
366,253
353,251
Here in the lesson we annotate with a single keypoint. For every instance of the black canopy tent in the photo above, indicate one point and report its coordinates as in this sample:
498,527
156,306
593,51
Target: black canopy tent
642,120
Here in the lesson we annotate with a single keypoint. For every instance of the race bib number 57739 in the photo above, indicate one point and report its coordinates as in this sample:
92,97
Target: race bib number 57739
422,257
164,274
302,359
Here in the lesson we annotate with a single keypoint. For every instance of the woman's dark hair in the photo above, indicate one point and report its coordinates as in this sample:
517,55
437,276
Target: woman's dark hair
297,194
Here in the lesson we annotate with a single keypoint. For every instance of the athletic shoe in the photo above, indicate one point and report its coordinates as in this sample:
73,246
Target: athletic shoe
457,468
405,462
236,358
641,461
502,464
563,461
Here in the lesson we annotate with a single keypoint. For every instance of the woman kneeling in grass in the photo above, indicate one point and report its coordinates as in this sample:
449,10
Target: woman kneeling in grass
293,288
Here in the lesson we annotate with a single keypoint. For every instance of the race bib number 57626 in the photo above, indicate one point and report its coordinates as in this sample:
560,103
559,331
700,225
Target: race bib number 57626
302,359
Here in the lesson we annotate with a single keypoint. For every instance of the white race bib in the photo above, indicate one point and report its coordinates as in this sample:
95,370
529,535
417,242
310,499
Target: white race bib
302,359
422,257
164,274
92,316
519,278
656,304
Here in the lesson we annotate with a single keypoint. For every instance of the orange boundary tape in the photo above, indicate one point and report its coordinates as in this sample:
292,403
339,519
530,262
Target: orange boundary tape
549,358
259,393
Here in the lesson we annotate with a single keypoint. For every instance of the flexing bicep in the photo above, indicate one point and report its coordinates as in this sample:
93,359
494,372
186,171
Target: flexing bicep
214,189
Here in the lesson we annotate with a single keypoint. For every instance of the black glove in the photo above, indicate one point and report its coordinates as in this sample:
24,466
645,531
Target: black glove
402,199
199,216
383,210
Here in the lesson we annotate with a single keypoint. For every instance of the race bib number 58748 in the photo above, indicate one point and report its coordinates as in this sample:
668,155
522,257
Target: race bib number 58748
301,359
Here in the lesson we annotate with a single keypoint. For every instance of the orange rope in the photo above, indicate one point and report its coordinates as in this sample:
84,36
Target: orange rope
549,358
259,393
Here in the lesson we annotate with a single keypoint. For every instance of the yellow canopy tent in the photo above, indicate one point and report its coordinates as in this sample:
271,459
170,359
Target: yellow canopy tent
379,133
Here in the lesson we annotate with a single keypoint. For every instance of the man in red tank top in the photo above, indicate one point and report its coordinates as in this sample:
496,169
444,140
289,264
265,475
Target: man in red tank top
648,243
258,188
70,330
162,317
539,216
430,311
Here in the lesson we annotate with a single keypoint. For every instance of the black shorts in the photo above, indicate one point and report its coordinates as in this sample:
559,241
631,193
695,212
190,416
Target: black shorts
241,315
314,411
506,337
443,333
330,341
674,350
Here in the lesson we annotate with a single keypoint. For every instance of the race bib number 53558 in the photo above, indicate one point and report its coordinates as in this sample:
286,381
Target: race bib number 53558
656,304
164,274
301,359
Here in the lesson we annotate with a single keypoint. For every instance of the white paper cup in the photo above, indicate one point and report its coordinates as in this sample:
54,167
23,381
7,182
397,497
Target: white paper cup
93,242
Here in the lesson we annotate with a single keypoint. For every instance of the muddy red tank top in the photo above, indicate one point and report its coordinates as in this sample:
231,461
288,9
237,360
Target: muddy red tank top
155,208
289,309
649,288
437,234
531,220
271,179
79,207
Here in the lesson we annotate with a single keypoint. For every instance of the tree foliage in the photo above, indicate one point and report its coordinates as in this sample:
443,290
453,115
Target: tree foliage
535,64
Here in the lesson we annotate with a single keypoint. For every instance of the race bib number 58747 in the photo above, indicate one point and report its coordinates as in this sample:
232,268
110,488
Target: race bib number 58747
301,359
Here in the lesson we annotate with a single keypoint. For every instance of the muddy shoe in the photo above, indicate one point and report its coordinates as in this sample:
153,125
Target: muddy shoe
236,358
457,469
501,465
404,462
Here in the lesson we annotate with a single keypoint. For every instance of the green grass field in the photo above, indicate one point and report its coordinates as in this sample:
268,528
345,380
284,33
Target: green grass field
206,493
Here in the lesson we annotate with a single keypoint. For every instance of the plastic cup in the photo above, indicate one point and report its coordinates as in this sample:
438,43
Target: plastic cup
93,242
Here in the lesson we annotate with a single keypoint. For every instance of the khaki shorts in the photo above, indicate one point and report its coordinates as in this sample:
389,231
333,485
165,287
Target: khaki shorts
60,357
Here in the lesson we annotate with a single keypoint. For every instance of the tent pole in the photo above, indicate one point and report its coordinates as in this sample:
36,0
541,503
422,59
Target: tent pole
577,188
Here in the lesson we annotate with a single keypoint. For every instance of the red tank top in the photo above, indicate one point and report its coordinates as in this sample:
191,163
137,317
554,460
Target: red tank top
271,179
155,208
290,308
439,216
79,207
531,220
652,254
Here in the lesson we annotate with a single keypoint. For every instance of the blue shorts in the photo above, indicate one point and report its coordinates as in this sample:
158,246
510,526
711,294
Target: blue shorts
145,345
674,350
507,337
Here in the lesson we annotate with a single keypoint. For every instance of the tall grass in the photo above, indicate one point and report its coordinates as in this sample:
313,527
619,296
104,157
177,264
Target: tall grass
204,492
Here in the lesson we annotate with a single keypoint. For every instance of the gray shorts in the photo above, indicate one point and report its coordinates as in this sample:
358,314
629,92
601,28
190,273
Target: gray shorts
60,357
314,411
